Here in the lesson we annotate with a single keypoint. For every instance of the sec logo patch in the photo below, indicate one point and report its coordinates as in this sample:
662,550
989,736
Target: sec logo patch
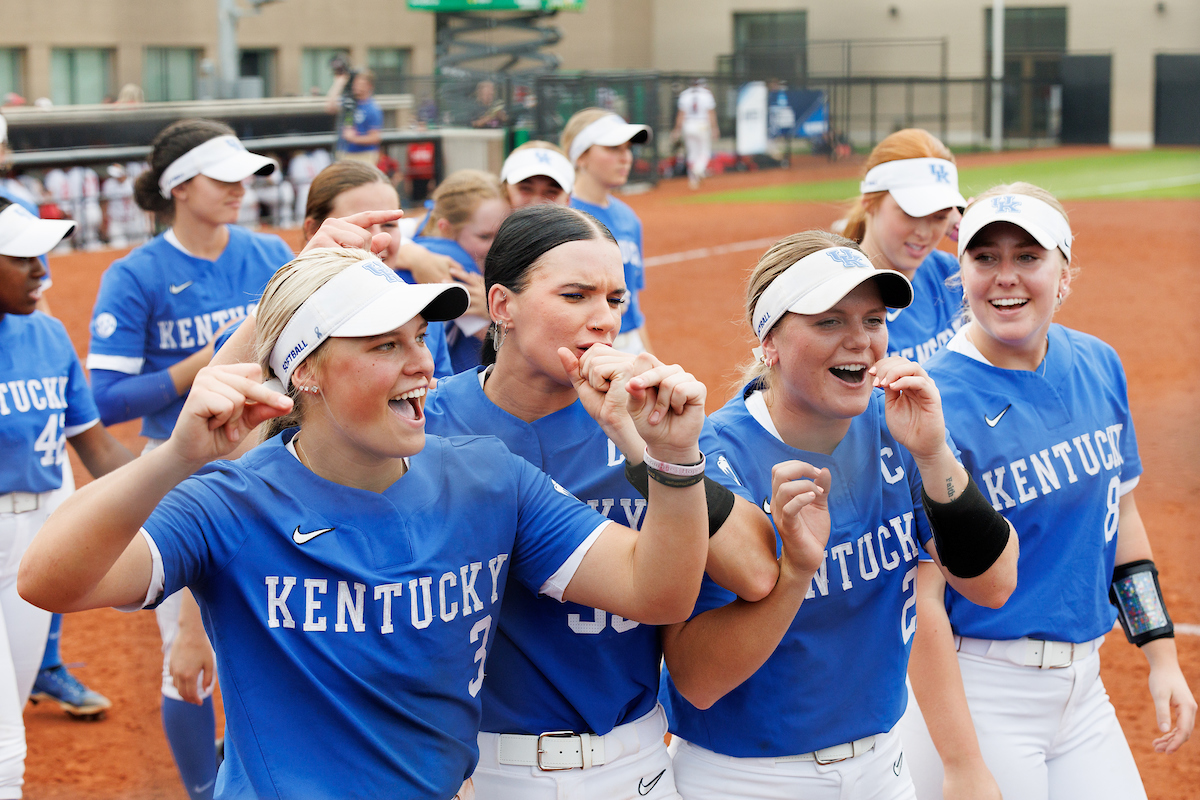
105,325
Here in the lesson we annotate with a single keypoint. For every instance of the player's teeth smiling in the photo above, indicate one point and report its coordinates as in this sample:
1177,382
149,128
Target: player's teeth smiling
850,373
408,405
1009,302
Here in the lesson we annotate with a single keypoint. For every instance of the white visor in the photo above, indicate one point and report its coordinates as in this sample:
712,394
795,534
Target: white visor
610,131
818,281
22,235
920,186
522,164
1040,219
367,299
223,158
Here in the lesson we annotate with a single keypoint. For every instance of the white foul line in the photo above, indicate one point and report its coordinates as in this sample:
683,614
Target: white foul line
1132,186
706,252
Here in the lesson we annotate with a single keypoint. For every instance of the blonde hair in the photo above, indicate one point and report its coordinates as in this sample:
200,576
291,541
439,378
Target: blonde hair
457,198
775,262
287,290
1038,193
575,125
903,144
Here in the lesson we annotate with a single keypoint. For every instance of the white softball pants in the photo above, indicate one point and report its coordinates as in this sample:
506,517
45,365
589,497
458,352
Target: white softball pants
641,768
881,774
23,631
697,142
1045,734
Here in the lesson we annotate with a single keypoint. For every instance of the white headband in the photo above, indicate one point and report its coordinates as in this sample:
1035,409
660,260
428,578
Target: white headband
920,186
522,164
222,158
1040,219
367,299
610,131
818,281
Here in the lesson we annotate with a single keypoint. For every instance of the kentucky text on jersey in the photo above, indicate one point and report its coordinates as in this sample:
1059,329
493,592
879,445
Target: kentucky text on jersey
351,604
895,546
48,392
188,333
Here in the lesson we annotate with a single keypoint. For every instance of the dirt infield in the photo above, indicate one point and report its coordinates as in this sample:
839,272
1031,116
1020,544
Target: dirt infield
1136,291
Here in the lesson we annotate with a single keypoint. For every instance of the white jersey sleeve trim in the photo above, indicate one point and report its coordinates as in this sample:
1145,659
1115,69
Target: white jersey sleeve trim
1129,485
129,365
75,430
556,584
155,590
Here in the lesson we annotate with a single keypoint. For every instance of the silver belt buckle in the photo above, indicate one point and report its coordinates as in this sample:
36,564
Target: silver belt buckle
1046,657
826,761
555,735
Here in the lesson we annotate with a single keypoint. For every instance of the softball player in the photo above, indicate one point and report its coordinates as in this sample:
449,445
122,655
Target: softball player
598,143
1041,414
351,570
775,702
909,201
44,402
156,315
555,286
696,121
468,208
537,172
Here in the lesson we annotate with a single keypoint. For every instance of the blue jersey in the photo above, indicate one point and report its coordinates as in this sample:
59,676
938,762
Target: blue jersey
464,350
626,228
352,627
838,674
558,666
367,117
158,305
1053,450
917,332
44,399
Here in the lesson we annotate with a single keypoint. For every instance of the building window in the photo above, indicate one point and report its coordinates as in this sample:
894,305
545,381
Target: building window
12,72
391,68
258,66
80,75
169,73
315,75
771,44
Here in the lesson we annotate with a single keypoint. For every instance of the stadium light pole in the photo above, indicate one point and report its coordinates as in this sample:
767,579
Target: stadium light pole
998,75
228,14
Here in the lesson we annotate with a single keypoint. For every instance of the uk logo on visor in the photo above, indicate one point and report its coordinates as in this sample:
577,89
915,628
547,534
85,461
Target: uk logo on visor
940,173
1006,205
847,258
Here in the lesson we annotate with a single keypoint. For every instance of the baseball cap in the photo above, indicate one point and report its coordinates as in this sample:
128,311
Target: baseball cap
610,130
522,164
818,281
22,235
920,186
222,158
1042,221
366,299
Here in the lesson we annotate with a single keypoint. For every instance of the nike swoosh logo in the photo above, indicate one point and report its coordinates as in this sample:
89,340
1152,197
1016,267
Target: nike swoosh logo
173,289
893,315
767,506
202,789
646,788
896,766
301,538
992,422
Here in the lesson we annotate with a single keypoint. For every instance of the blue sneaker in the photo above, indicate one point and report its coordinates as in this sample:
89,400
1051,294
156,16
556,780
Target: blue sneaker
60,686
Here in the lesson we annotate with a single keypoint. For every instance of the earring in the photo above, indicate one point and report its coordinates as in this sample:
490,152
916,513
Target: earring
310,389
499,334
1058,304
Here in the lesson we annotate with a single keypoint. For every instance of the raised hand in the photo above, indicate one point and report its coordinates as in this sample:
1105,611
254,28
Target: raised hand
600,378
353,231
225,403
913,405
800,509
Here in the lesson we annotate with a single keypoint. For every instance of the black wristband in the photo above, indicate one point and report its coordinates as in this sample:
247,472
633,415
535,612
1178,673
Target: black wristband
970,535
1140,606
719,499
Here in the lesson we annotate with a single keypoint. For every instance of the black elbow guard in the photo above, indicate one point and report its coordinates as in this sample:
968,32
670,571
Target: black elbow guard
970,535
720,500
1139,601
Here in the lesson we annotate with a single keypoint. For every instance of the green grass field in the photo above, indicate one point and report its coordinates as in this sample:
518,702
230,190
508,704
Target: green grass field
1164,173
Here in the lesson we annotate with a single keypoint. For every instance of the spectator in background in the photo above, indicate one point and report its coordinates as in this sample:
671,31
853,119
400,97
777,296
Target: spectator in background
361,124
489,110
123,223
131,95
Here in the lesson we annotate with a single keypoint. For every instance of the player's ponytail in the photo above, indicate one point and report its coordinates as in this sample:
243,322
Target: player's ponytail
524,237
774,262
171,143
903,144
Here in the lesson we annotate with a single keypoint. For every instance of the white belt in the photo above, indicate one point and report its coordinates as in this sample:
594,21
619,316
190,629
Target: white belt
19,502
834,754
1027,652
552,751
